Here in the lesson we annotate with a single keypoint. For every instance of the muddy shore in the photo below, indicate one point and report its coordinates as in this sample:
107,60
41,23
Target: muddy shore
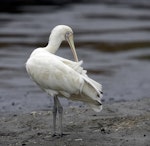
119,124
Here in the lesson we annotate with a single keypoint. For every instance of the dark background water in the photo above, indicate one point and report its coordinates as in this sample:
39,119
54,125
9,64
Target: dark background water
112,38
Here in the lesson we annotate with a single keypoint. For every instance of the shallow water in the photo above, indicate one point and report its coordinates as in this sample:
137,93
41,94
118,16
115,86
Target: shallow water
112,40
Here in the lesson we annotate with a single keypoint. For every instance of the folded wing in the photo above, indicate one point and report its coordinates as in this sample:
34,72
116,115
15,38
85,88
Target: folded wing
63,77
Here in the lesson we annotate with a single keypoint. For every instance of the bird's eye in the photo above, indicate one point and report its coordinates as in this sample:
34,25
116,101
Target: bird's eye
68,34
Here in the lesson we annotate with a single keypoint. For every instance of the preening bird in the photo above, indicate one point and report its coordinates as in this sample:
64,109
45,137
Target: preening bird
62,77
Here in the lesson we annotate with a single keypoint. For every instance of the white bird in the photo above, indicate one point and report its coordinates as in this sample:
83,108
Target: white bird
62,77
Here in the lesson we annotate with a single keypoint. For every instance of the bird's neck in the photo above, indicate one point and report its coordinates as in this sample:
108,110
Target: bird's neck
53,45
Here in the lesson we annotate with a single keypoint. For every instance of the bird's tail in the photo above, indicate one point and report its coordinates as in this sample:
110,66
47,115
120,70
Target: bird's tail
92,91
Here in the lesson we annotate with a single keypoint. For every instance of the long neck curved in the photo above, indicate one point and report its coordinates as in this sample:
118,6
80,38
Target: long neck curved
53,44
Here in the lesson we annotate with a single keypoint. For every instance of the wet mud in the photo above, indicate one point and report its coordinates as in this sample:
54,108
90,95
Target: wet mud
121,123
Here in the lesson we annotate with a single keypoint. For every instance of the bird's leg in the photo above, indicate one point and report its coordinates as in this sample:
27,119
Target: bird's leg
54,115
60,112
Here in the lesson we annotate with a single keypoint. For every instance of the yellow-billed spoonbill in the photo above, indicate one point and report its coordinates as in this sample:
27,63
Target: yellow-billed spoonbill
62,77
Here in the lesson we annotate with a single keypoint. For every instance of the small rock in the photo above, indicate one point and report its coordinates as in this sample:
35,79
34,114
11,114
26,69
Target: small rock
78,139
39,133
13,103
33,113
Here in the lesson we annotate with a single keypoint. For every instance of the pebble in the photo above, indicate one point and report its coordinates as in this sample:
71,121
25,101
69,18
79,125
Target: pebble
78,139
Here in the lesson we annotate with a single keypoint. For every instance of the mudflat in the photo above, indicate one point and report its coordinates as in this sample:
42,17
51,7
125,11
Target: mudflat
121,123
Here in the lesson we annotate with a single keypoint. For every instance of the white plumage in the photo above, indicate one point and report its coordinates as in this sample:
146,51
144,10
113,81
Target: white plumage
62,77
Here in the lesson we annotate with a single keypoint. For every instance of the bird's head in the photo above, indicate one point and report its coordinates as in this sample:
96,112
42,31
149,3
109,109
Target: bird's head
64,32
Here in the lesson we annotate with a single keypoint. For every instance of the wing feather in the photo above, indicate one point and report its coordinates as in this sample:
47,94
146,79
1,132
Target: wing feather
90,90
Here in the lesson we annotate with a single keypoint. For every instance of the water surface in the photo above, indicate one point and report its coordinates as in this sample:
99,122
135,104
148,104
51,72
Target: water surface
112,40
